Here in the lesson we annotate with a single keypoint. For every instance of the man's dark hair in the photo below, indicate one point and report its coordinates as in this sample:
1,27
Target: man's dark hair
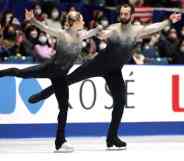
126,5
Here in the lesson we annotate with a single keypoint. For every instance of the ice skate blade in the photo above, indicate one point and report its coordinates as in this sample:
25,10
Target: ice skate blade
65,148
64,151
114,148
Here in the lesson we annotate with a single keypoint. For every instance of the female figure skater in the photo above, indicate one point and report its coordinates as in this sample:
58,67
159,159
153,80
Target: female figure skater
68,47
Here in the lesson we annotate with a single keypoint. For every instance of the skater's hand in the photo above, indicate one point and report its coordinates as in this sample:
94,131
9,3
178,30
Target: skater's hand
100,27
175,17
102,35
29,15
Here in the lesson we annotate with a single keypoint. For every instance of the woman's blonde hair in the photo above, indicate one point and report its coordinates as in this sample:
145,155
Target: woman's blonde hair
72,17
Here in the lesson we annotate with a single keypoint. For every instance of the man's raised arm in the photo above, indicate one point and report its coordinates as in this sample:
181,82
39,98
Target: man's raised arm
145,31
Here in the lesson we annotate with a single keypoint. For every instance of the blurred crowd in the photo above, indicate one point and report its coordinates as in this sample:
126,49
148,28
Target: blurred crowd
21,42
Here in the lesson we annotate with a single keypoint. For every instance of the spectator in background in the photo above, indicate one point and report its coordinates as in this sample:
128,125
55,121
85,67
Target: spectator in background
182,33
98,18
12,36
174,41
93,22
15,21
42,49
104,22
54,19
172,35
179,57
149,49
20,38
37,10
31,34
168,44
163,44
6,19
9,33
52,41
8,42
45,16
91,49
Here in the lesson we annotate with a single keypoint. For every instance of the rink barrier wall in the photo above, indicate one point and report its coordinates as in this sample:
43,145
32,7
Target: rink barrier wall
155,105
91,129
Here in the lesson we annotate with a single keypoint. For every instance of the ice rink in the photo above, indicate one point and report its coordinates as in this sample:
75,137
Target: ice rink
93,149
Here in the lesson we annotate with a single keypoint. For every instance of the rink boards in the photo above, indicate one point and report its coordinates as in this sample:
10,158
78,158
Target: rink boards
155,105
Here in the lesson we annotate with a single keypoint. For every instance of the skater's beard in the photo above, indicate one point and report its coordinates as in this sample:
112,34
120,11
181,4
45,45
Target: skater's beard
125,21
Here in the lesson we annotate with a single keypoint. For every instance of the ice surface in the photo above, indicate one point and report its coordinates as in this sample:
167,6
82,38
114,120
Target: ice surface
93,149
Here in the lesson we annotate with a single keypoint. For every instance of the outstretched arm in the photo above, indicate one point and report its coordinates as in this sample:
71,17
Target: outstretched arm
90,33
108,32
51,31
98,31
156,27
